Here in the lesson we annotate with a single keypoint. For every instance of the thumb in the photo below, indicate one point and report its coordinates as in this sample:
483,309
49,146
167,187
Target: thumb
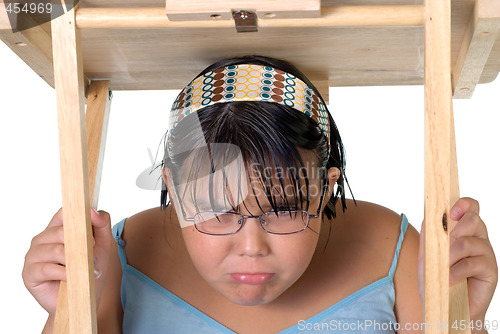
421,264
101,223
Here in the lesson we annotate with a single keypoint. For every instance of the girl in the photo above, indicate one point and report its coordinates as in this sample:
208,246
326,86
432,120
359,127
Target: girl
261,238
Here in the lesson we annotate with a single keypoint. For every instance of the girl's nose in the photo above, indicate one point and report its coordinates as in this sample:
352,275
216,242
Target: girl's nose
252,240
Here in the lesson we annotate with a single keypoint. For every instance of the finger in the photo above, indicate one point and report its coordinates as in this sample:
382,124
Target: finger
101,223
57,219
462,206
468,247
40,273
470,225
51,235
478,267
46,253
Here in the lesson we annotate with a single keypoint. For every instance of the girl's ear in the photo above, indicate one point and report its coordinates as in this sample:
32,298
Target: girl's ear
333,175
164,175
167,176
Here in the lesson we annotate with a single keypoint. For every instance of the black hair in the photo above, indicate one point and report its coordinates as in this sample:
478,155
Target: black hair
268,135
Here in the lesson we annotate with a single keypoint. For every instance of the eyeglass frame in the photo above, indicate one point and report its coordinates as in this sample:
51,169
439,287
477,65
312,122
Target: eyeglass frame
243,217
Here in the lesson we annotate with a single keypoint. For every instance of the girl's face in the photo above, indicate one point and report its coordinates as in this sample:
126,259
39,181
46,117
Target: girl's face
252,266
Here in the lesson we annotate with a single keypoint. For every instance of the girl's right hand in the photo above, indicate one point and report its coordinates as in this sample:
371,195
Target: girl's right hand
44,264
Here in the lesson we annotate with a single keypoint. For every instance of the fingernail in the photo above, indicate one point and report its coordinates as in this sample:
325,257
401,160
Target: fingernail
97,213
95,260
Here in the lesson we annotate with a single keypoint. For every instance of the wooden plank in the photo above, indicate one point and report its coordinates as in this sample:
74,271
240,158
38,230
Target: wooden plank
459,296
482,32
160,3
438,113
138,59
39,38
70,95
195,10
333,16
492,67
97,119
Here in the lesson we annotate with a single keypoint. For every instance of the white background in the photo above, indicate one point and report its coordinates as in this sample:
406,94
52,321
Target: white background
382,129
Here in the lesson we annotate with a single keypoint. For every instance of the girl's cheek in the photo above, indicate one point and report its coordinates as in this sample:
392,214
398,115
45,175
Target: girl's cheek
205,251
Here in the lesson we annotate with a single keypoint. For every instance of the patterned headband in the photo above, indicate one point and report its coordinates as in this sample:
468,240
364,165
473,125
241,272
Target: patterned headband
250,83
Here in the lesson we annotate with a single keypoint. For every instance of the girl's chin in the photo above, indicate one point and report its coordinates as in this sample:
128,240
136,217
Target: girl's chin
250,295
248,301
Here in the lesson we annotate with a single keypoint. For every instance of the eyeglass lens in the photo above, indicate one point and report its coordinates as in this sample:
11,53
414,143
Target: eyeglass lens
282,222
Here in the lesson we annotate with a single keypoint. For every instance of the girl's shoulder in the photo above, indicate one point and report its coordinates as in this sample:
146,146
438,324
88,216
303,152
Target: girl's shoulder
152,235
364,240
149,225
369,223
380,229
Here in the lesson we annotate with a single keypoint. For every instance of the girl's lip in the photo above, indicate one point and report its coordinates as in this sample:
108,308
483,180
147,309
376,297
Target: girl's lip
251,278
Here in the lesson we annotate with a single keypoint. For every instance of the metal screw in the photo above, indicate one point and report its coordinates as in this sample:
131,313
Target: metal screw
243,15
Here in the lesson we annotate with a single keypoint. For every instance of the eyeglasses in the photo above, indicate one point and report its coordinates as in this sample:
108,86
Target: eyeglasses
228,222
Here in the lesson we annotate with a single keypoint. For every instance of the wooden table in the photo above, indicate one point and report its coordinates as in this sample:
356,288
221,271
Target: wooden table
100,46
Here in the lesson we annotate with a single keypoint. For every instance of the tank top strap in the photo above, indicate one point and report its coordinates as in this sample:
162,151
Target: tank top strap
404,226
117,234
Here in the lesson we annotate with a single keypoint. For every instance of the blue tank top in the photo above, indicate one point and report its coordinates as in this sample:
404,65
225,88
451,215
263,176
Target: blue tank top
150,308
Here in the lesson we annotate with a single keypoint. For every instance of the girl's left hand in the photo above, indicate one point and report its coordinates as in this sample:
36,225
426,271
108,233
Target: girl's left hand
471,257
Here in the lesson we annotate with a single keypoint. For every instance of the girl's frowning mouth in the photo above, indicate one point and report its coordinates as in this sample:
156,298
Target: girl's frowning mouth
252,278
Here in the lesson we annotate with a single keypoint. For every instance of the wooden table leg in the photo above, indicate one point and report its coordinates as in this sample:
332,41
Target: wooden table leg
97,117
442,305
459,296
76,311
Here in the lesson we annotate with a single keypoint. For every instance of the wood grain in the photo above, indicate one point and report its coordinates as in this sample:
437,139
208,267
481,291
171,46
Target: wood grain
333,16
438,113
459,295
482,33
97,120
97,117
442,305
195,10
167,58
70,95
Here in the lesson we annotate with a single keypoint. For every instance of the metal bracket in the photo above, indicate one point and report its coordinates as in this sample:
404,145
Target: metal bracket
245,20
